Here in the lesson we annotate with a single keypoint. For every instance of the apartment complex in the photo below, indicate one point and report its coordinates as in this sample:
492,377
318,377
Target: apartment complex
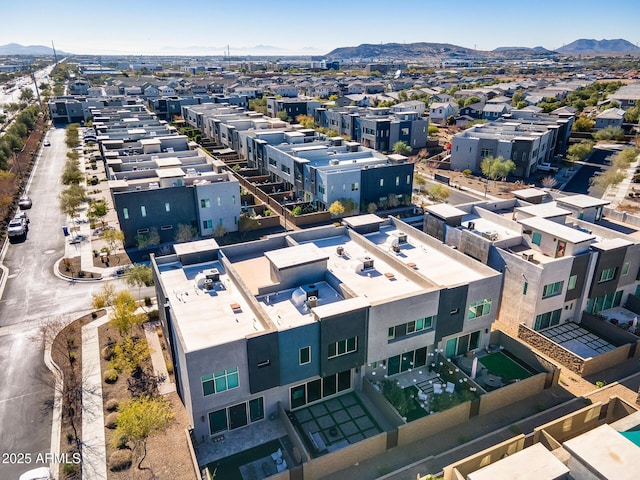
526,138
300,317
556,260
160,182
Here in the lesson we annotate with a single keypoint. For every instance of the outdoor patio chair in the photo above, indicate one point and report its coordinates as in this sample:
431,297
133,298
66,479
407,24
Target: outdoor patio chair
450,387
276,455
437,388
422,396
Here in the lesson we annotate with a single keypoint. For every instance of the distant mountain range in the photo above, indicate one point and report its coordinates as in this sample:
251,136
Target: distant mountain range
590,46
414,51
16,49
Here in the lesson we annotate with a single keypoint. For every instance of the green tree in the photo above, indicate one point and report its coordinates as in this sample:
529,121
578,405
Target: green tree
306,121
97,209
402,96
26,95
432,130
401,148
140,418
186,233
579,151
521,105
583,124
610,133
496,167
123,316
139,275
70,200
152,237
114,238
471,101
336,208
282,115
129,354
420,181
438,193
372,207
518,97
71,174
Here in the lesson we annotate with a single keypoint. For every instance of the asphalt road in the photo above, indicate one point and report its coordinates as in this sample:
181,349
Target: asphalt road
597,163
32,295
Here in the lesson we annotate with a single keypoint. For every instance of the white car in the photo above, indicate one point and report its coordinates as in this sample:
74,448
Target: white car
547,167
42,473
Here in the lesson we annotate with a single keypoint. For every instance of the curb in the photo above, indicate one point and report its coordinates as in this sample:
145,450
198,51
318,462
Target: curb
56,421
62,276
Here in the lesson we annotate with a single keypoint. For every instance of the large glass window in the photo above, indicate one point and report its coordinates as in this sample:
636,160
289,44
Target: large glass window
298,396
572,282
536,238
625,268
218,421
607,274
256,409
479,309
237,416
548,319
552,289
220,381
205,203
320,388
343,347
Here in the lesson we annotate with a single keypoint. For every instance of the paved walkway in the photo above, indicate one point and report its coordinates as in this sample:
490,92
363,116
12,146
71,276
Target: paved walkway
157,358
617,194
94,461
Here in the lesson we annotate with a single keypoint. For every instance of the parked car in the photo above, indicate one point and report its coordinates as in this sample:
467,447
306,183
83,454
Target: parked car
18,228
47,143
22,215
42,473
25,203
547,167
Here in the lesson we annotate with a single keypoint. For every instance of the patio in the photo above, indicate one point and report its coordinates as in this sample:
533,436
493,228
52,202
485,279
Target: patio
334,423
623,318
577,340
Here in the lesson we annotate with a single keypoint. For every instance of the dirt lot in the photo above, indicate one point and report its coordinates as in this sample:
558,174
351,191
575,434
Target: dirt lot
168,456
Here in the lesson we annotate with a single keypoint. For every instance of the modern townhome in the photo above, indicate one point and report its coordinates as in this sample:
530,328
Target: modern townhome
76,109
377,128
321,171
273,326
527,139
556,264
162,184
293,107
611,117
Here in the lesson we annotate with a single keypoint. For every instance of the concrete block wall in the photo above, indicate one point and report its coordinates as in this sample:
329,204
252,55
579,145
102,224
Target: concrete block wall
512,393
433,424
486,457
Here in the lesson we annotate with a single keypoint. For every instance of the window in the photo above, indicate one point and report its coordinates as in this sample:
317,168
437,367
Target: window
354,187
391,334
408,179
397,181
604,302
420,325
607,274
305,355
220,381
485,152
125,213
625,268
462,344
272,162
382,182
207,224
552,289
548,319
167,207
233,199
318,389
205,203
219,201
343,347
285,169
536,238
524,288
218,421
256,409
321,189
166,227
479,309
143,210
142,231
404,131
572,282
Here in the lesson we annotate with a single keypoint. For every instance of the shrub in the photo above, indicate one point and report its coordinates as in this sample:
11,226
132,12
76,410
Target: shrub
94,315
466,172
110,376
111,405
154,314
600,383
111,421
120,442
119,460
169,366
107,352
70,469
147,301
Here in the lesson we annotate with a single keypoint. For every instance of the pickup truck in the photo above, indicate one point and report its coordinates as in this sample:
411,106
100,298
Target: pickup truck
18,227
547,167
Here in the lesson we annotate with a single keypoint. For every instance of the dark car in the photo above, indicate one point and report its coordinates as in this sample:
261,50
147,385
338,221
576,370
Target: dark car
25,203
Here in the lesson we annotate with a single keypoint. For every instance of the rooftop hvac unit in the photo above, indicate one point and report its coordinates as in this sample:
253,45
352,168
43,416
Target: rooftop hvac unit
334,162
402,237
493,236
312,301
212,274
339,250
471,225
311,291
528,256
367,262
208,284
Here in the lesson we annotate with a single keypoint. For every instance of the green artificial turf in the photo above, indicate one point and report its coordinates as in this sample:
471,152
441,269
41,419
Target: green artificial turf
501,365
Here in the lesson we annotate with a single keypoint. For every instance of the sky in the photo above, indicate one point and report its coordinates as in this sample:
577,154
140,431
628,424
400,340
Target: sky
287,27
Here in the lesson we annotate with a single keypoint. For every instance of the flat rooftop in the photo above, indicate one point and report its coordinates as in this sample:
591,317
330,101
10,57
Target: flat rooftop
582,201
204,318
532,463
543,210
377,284
563,232
606,451
428,261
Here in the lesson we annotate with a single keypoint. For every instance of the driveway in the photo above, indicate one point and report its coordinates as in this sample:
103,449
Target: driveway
597,163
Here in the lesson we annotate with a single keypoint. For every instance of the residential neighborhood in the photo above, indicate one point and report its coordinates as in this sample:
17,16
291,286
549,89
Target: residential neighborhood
404,260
